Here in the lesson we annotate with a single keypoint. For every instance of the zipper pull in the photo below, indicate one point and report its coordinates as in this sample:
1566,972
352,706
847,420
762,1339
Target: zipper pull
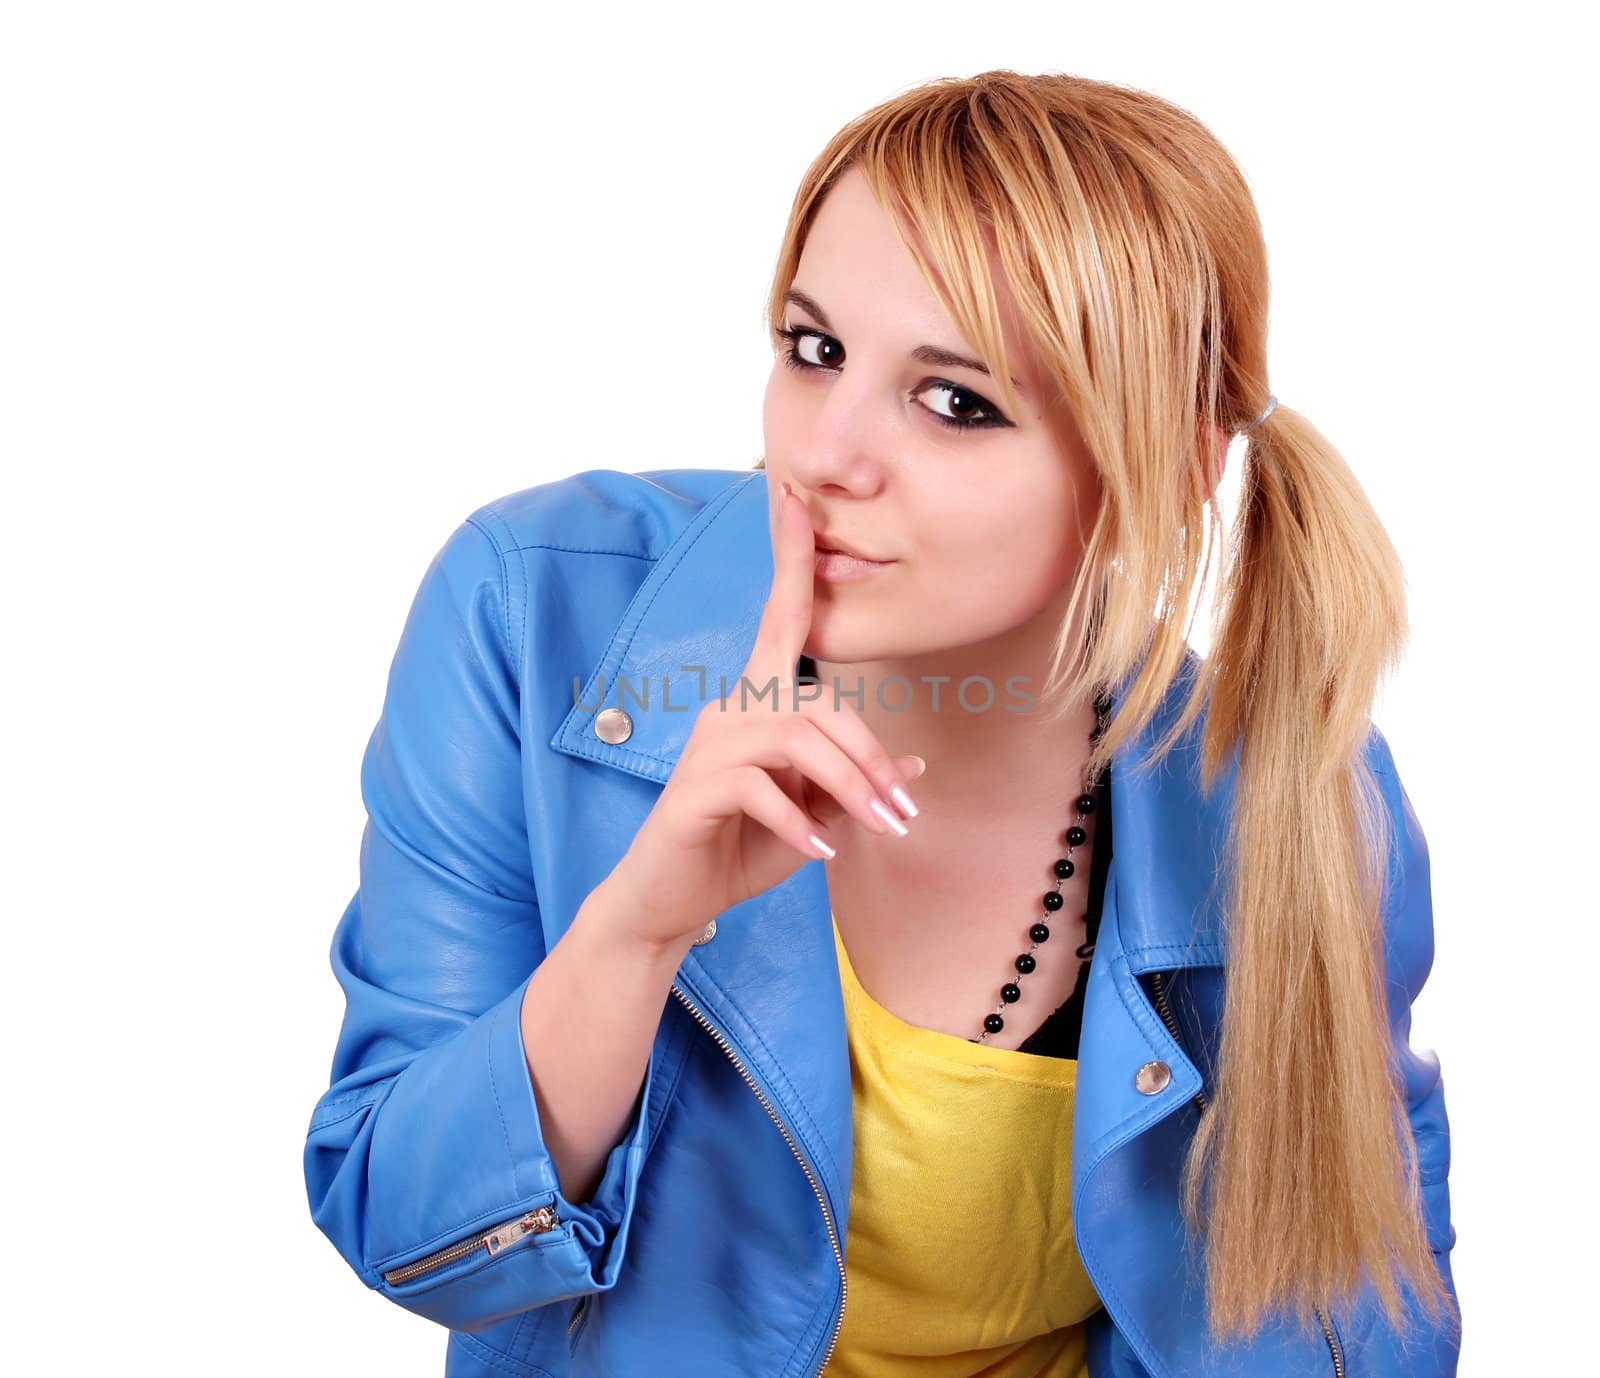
534,1222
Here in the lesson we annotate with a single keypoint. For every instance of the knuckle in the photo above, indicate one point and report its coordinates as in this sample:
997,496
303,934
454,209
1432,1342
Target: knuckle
747,784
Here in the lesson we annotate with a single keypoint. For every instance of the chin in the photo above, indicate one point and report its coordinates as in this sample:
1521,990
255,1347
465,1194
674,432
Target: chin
853,648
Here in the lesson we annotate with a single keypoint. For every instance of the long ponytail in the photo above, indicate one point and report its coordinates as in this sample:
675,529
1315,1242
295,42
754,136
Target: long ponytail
1312,1174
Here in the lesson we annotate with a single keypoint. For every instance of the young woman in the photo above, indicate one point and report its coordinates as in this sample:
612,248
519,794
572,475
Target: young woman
920,961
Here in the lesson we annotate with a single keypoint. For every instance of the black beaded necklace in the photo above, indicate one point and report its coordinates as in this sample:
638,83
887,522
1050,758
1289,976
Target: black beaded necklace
1065,868
1075,836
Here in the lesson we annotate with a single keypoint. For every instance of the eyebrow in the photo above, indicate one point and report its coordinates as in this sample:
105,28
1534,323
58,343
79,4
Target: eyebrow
927,354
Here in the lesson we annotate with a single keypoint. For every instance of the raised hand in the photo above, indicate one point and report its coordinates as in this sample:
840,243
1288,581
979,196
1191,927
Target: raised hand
758,791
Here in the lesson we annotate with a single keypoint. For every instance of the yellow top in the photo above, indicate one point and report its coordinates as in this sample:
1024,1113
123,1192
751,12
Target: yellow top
960,1258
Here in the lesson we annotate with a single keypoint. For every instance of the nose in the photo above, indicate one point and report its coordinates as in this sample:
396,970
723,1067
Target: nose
840,443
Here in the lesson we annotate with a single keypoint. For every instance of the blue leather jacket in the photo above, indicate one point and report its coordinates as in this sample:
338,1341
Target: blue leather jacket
714,1243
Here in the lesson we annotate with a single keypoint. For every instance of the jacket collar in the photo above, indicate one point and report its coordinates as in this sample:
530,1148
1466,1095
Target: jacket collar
687,635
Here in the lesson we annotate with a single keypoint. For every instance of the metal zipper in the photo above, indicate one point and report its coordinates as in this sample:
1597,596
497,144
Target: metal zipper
494,1239
827,1215
1333,1344
1172,1028
577,1315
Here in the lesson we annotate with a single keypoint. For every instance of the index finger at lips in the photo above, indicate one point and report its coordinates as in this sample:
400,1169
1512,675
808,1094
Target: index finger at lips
786,619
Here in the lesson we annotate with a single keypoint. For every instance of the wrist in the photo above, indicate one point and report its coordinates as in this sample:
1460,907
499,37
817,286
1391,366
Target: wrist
607,918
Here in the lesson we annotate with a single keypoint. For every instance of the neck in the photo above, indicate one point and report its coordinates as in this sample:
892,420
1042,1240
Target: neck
974,714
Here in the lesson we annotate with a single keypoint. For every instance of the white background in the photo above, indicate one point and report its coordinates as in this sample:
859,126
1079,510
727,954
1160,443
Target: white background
288,289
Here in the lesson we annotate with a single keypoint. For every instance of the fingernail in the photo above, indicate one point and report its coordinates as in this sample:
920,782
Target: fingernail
882,810
904,800
822,847
788,492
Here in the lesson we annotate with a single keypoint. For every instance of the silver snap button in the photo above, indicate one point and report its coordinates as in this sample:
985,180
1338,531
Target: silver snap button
613,725
1152,1078
709,933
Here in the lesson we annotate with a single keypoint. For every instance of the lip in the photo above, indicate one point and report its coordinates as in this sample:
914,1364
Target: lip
839,567
834,545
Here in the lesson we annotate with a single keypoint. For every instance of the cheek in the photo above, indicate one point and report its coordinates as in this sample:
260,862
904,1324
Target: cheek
1007,552
1023,525
779,403
768,407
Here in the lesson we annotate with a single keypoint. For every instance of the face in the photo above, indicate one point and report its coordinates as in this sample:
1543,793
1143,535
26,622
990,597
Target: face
978,513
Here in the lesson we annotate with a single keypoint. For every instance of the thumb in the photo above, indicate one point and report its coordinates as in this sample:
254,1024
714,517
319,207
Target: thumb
911,766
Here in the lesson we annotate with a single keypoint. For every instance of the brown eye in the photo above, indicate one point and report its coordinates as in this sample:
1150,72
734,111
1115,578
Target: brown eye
829,352
968,409
963,403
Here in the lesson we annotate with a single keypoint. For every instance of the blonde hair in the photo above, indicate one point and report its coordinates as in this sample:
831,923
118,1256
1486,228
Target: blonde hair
1134,253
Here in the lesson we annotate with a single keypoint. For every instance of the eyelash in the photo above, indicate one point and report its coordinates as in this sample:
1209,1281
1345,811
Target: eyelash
791,357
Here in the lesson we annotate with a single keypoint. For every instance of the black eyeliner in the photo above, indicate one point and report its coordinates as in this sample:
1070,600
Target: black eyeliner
792,359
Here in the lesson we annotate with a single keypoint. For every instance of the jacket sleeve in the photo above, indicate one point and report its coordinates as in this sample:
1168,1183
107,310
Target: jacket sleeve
1423,1348
426,1147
